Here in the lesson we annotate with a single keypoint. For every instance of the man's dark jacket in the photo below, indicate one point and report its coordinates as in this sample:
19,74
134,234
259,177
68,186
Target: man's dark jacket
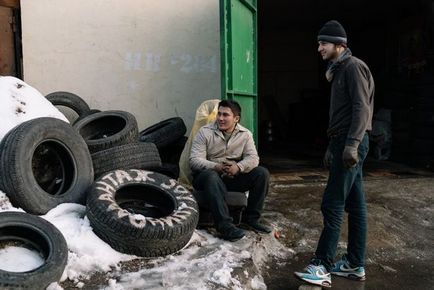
352,101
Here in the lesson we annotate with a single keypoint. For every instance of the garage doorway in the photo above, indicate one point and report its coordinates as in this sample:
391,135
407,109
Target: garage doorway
397,43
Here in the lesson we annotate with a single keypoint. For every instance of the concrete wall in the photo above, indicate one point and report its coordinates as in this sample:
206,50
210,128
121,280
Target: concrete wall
156,59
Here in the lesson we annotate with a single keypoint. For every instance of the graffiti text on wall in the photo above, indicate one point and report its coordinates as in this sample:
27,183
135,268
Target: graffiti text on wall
155,62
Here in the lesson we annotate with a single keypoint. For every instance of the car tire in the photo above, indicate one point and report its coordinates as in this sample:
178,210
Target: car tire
141,212
45,162
32,231
172,152
138,155
107,129
70,100
164,133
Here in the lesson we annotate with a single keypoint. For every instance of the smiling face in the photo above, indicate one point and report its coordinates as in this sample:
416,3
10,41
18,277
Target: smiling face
328,51
226,120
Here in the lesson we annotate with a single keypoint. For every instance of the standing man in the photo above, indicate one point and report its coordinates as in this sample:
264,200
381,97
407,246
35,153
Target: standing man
224,158
351,107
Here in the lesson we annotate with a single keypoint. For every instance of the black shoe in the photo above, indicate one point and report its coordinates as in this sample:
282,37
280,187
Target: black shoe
256,227
231,233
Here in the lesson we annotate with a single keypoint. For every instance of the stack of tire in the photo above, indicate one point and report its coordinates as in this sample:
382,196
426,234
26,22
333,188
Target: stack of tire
97,161
112,140
43,162
134,210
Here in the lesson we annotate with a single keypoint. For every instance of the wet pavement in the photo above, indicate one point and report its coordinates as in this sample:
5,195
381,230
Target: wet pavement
400,245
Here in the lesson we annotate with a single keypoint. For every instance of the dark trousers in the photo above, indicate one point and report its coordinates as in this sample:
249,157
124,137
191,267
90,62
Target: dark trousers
344,191
214,188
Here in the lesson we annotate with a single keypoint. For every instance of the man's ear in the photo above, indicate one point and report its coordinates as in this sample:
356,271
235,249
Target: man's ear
237,119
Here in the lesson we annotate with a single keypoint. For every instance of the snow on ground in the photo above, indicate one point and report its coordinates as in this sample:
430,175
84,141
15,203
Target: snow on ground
205,263
21,102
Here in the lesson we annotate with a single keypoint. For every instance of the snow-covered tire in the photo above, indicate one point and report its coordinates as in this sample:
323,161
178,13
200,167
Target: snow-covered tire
107,129
142,212
69,100
164,133
26,230
138,155
45,162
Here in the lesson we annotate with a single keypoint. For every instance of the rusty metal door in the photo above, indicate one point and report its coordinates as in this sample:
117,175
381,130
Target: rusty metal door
7,47
10,38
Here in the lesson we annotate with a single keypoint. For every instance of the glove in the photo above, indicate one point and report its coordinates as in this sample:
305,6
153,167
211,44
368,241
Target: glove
328,158
350,156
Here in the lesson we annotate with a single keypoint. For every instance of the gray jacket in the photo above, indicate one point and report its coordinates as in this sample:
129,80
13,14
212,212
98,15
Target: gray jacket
209,148
352,101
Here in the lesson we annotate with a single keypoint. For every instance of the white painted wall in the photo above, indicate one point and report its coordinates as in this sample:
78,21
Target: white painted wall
154,58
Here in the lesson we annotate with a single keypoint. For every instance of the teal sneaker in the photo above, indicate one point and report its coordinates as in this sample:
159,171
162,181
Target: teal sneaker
342,268
316,275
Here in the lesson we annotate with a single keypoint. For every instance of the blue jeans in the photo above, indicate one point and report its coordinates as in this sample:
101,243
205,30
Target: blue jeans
344,191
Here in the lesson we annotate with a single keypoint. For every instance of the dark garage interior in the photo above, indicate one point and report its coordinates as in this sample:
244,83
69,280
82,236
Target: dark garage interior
395,39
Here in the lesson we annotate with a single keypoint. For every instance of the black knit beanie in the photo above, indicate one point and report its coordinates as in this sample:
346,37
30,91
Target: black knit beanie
333,32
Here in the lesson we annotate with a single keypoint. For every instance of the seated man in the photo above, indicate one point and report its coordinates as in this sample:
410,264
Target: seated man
224,158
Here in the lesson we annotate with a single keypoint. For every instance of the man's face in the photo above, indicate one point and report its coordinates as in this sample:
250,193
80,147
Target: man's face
226,120
327,50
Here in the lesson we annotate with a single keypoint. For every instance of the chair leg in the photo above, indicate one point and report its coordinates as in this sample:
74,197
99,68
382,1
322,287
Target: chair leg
236,214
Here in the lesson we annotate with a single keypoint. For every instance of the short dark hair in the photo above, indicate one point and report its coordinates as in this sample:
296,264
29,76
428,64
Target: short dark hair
233,105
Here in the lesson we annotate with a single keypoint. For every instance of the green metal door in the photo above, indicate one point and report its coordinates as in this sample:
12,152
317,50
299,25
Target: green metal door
238,26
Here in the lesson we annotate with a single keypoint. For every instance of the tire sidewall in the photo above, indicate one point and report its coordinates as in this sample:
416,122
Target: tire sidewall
22,180
152,231
55,262
128,134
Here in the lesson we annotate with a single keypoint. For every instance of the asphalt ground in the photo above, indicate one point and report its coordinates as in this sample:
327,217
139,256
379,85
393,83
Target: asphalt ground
400,243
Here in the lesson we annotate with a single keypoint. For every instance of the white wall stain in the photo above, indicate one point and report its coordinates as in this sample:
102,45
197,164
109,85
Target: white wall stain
132,61
153,62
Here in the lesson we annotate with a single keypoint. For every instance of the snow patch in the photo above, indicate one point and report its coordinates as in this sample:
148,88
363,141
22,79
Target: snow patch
21,102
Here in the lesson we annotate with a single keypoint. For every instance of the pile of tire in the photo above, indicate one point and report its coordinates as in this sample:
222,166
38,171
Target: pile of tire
101,161
43,162
135,204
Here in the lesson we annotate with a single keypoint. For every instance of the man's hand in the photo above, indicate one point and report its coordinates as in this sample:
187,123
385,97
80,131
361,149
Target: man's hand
231,168
219,167
350,156
328,157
